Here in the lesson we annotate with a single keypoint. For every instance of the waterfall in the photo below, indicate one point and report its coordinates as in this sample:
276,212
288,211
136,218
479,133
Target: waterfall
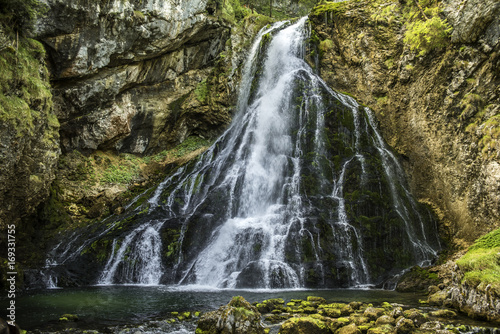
300,191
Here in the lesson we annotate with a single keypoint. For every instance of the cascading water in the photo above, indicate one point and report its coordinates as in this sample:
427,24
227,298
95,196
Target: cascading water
300,191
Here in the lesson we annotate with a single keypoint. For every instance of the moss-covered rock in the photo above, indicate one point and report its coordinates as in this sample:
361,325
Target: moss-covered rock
237,317
404,326
304,325
443,313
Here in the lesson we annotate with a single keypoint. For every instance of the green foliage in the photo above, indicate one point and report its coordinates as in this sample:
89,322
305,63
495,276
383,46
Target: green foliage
329,7
25,96
189,145
424,36
201,91
123,174
481,263
491,136
326,45
488,241
20,15
386,15
389,63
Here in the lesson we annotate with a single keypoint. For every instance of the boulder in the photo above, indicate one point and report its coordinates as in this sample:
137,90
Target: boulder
237,317
304,325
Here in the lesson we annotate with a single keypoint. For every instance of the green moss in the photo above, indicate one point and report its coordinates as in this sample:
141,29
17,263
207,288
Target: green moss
201,91
139,15
25,96
491,135
389,63
326,45
189,145
424,36
384,15
481,263
120,174
329,7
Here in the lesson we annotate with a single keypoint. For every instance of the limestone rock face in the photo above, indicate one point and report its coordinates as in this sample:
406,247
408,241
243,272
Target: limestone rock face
125,72
472,19
440,111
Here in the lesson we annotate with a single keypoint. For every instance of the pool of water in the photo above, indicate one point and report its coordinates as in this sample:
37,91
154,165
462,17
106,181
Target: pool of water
115,305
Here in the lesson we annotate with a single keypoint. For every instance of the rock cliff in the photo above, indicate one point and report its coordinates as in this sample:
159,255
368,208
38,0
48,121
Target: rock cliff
439,110
130,81
122,71
29,139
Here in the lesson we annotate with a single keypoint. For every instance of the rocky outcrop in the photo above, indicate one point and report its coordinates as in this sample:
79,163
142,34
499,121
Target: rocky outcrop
132,75
440,110
237,317
480,301
136,77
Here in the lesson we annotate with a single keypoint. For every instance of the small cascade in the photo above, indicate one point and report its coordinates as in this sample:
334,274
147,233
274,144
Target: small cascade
138,258
300,191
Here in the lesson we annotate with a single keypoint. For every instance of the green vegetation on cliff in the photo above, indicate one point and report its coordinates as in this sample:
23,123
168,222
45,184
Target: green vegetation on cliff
481,264
24,89
425,29
20,16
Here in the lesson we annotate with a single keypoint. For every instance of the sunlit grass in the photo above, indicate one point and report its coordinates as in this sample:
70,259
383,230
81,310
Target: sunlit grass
481,264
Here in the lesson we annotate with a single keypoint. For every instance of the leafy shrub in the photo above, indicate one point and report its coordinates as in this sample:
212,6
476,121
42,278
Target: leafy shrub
427,35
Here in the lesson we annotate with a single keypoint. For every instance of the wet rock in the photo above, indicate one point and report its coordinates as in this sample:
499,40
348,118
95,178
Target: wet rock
373,313
385,320
443,313
415,315
349,329
404,326
68,317
237,317
438,298
381,329
125,75
355,305
432,289
396,312
316,301
269,305
432,326
304,325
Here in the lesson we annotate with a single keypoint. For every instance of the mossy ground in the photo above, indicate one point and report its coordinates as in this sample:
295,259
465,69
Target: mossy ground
481,264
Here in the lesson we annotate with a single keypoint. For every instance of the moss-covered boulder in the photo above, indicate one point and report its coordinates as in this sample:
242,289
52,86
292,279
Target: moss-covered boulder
373,313
415,315
349,329
404,326
385,320
237,317
316,301
443,313
304,325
